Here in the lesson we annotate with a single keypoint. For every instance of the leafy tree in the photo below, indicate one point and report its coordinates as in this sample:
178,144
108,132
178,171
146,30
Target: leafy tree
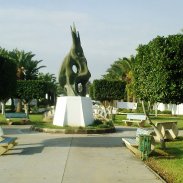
107,91
47,77
28,90
27,68
7,79
53,85
158,72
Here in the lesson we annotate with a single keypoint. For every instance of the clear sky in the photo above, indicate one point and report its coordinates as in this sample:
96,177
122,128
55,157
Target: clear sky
109,29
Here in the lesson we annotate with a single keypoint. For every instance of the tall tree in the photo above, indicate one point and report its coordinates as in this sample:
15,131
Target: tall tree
27,68
7,78
158,72
31,89
106,92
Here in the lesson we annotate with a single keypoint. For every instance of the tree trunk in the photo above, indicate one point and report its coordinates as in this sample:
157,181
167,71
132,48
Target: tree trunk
2,107
26,107
162,140
156,109
19,106
134,99
128,95
12,104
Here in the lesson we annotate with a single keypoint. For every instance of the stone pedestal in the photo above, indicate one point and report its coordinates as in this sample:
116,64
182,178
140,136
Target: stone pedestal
73,111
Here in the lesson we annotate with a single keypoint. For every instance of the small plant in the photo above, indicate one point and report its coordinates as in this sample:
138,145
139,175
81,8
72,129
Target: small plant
97,122
165,112
34,109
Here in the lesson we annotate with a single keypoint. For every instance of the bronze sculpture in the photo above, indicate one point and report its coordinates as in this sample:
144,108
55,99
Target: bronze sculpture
74,73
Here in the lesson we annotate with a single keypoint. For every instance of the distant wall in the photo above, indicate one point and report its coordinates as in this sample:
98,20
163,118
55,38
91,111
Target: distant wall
176,109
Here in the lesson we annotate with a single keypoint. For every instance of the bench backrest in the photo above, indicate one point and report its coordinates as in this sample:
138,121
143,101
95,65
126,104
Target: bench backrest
15,115
136,116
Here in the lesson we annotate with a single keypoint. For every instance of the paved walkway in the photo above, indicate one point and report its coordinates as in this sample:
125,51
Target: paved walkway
60,158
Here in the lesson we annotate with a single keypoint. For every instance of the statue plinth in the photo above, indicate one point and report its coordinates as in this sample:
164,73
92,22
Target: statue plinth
73,111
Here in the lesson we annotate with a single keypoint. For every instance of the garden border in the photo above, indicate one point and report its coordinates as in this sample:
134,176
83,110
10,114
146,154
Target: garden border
74,131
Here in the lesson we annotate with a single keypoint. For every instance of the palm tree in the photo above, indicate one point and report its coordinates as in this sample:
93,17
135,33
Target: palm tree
26,63
122,69
47,77
115,72
128,77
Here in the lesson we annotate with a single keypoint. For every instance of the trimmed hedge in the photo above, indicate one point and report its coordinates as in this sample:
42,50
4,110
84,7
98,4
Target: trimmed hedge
31,89
107,90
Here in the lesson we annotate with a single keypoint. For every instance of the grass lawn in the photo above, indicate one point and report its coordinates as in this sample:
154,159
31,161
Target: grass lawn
160,118
37,120
169,163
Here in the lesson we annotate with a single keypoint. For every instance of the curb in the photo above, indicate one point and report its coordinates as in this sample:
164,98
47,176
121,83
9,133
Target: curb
47,130
155,173
74,131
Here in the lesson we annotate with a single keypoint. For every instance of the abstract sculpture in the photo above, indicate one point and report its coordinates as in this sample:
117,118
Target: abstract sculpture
74,73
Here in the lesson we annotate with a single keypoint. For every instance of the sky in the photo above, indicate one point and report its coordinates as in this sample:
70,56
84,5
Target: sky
109,29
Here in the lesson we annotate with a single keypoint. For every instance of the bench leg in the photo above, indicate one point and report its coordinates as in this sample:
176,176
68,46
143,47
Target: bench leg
3,149
169,134
128,123
141,124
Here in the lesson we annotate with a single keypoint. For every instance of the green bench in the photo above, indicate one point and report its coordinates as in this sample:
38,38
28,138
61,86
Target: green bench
17,115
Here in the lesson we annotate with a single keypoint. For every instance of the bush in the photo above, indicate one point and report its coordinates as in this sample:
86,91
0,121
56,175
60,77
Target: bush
107,90
97,122
101,124
165,112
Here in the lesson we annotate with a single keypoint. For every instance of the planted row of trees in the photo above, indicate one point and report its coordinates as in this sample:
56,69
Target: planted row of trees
158,72
154,74
20,78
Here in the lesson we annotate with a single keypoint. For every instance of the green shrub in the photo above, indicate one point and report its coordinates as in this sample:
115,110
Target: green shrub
97,122
165,112
107,90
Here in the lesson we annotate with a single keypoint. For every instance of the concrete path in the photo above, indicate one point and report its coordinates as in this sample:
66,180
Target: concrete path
60,158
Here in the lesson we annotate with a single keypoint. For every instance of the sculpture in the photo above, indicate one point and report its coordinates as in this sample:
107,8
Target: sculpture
74,73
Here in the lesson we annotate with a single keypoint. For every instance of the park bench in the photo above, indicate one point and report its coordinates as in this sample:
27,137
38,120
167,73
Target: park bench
132,143
135,118
6,143
17,115
169,130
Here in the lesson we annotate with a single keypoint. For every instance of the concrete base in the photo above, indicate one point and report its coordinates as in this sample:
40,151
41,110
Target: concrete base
73,111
